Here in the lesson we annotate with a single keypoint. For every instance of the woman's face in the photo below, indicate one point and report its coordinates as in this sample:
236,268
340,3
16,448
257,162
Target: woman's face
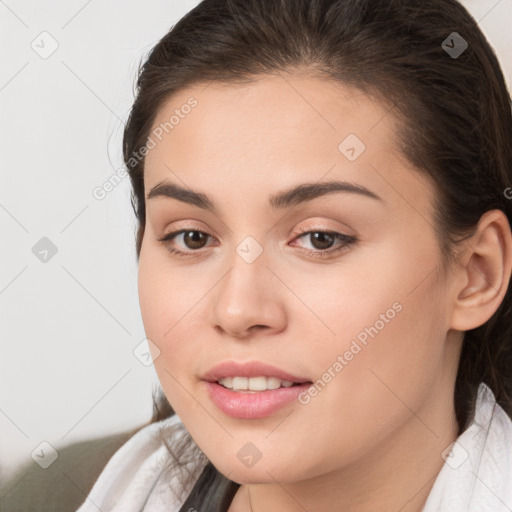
363,316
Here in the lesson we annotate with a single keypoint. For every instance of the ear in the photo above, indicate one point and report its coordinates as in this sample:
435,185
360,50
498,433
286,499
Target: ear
485,272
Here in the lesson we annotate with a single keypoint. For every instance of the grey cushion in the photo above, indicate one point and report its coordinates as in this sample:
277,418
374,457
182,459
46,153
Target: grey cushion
64,485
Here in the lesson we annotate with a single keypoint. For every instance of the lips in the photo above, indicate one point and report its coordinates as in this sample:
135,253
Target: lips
252,404
250,369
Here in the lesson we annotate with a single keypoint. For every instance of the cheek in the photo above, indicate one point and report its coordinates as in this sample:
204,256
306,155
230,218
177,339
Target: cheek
384,310
388,350
381,365
168,294
170,301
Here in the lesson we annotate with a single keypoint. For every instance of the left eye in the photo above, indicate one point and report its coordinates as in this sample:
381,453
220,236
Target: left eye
322,242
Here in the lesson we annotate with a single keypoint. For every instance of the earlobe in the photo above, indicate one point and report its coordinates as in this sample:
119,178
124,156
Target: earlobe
486,274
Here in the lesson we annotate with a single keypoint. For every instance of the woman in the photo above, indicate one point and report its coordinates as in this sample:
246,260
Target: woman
324,254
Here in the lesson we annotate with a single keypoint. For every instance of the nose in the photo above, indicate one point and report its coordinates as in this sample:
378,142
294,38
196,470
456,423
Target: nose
248,300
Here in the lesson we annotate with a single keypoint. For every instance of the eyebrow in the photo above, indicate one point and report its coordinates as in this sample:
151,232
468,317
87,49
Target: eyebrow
284,199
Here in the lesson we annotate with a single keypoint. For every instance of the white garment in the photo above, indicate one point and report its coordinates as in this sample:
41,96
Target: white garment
477,477
141,475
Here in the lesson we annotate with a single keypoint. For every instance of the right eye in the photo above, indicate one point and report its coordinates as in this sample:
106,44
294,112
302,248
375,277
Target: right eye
192,238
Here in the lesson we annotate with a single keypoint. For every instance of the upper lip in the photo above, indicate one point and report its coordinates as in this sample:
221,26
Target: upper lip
249,369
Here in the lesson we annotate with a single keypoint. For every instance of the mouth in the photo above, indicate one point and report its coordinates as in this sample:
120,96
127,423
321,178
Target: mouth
255,384
249,404
253,389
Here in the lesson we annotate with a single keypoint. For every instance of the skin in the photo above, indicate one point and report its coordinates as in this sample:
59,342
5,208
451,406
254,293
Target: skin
372,438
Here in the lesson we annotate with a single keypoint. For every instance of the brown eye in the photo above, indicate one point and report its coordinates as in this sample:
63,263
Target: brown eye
322,240
191,240
194,239
325,244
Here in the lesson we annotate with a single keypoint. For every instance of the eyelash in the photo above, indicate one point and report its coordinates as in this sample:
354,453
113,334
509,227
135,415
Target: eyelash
347,240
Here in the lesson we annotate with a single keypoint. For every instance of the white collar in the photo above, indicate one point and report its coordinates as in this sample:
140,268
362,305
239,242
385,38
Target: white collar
477,473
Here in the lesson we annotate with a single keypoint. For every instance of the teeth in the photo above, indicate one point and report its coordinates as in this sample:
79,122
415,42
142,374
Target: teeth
273,383
227,382
240,383
254,383
258,383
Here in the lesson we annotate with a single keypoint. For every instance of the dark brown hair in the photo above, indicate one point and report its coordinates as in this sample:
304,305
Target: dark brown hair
453,112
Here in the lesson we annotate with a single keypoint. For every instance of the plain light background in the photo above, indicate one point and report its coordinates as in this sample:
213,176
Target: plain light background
71,324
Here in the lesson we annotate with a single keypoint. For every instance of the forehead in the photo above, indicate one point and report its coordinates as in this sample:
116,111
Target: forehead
276,110
271,132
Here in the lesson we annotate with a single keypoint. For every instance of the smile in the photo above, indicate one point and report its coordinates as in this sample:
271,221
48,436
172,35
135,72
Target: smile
255,383
248,404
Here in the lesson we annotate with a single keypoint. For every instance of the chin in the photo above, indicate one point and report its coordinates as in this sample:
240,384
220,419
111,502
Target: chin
248,475
262,472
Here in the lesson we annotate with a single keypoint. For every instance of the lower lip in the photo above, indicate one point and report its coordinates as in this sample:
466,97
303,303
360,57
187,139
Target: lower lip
258,404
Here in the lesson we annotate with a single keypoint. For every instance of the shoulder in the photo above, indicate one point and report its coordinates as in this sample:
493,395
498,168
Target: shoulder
153,471
61,486
492,464
477,473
